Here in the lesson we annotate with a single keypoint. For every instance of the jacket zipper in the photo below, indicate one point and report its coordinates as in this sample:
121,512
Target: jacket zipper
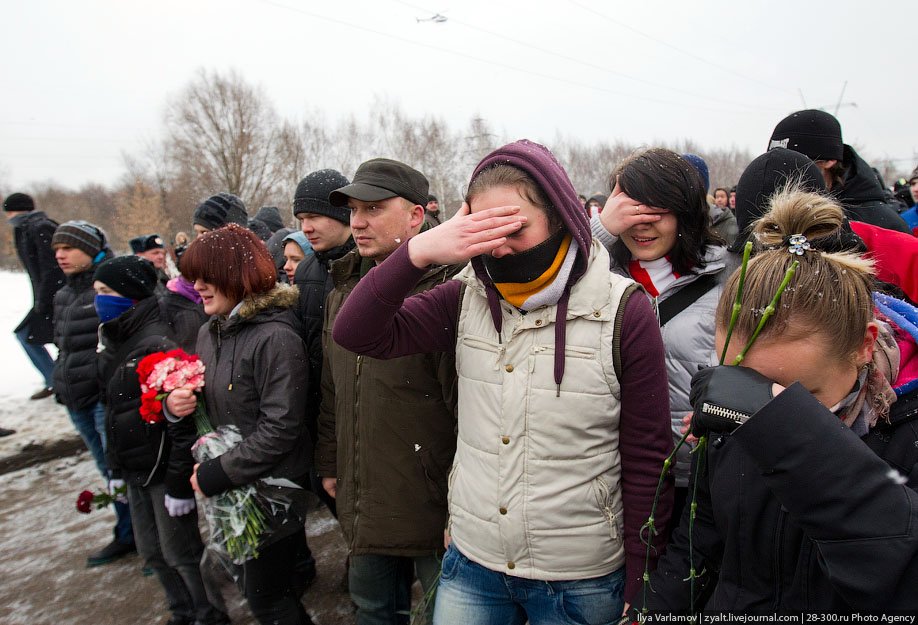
66,378
725,413
356,449
779,538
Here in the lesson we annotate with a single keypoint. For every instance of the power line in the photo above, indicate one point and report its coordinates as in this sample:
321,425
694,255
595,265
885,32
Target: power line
601,68
489,61
682,51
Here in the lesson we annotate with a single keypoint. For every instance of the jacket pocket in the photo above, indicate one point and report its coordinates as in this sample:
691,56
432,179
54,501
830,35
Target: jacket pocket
605,500
434,477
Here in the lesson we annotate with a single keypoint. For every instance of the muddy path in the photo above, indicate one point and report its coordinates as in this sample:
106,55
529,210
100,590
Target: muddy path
44,542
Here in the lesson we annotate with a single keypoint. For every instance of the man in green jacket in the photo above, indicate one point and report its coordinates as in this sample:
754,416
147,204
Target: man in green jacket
386,427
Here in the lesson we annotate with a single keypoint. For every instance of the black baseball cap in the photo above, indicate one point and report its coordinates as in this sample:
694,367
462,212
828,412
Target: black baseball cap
380,179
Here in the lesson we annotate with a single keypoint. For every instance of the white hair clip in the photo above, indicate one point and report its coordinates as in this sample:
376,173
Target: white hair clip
797,244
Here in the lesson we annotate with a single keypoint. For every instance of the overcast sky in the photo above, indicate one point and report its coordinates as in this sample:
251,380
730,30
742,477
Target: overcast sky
83,82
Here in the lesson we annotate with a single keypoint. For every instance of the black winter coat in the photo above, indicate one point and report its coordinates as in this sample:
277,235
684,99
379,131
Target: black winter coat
864,198
796,514
33,244
76,334
256,379
314,282
185,319
139,452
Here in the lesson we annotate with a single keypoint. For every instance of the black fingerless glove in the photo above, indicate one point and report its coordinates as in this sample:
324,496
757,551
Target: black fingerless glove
724,397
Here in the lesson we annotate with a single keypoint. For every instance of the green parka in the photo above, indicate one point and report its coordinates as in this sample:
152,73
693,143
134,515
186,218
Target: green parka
387,431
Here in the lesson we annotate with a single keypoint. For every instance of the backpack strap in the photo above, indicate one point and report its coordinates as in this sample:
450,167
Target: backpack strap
617,329
685,297
462,287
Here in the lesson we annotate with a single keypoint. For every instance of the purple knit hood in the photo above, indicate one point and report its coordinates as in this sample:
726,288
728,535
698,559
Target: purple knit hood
537,161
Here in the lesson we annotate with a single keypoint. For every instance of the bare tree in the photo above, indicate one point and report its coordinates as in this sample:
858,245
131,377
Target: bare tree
228,138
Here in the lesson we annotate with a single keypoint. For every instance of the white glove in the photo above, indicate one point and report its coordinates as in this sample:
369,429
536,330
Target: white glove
114,485
179,507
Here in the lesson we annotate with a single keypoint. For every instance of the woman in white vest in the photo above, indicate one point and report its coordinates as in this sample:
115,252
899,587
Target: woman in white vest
563,404
679,261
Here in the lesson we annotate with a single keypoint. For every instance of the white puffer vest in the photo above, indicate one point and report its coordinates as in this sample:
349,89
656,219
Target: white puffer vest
535,489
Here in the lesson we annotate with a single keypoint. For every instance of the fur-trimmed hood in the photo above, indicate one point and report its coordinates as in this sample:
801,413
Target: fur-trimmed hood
281,296
278,304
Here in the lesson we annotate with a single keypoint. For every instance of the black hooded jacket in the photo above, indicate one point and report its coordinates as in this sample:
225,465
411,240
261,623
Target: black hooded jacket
33,244
139,452
864,199
796,514
314,282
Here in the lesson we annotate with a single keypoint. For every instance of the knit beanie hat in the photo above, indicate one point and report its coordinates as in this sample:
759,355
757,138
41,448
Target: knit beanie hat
271,217
914,176
82,235
131,276
381,178
811,132
18,202
312,195
765,175
701,167
260,228
219,210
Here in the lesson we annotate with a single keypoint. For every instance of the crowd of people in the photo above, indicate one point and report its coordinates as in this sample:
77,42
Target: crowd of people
547,409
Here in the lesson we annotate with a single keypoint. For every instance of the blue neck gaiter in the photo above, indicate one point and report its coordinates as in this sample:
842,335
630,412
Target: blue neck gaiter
110,307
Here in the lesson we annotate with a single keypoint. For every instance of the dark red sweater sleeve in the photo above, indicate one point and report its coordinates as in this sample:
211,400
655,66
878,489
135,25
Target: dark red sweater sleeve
645,438
377,320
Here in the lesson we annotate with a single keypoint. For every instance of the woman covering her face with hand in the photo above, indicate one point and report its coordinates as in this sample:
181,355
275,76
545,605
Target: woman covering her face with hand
656,227
255,379
563,412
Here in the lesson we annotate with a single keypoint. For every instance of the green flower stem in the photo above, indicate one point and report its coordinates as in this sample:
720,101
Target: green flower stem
650,525
747,250
700,449
201,422
769,311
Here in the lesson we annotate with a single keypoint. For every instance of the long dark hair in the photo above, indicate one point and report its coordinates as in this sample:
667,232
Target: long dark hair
661,178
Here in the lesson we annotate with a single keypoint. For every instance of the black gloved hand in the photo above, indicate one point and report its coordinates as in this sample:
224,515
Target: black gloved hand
724,397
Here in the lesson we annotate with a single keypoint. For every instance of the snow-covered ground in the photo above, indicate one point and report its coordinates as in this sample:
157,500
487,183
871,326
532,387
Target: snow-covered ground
44,541
36,422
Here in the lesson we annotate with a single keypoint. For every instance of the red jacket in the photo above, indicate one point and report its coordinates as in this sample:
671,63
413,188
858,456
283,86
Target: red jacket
895,254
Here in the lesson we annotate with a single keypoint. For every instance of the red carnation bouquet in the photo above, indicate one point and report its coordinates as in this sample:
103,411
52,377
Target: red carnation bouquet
160,373
235,517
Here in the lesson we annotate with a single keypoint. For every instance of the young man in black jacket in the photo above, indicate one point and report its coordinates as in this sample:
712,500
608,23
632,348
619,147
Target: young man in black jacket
848,177
79,247
154,464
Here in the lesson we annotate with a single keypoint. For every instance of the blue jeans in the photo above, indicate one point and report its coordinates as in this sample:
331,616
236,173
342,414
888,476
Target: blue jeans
39,356
470,594
380,586
90,423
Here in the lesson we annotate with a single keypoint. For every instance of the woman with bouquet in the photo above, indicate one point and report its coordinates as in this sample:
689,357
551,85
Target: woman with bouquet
142,456
256,376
